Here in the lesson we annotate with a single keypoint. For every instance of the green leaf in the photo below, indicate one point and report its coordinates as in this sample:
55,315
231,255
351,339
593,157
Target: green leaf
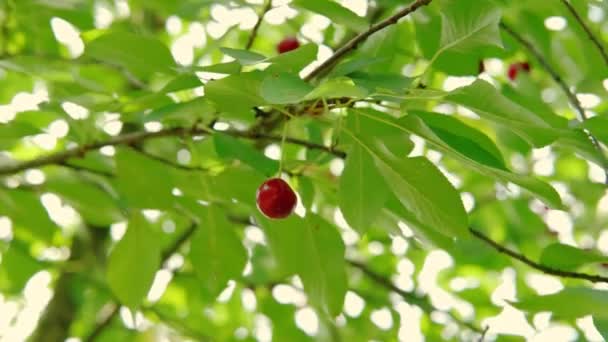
184,112
602,326
284,88
482,98
30,218
95,206
463,138
598,126
232,148
244,57
413,124
16,267
425,192
544,191
568,258
362,191
570,303
16,130
313,249
181,82
381,82
142,181
216,252
468,25
293,61
236,94
142,55
133,262
337,87
229,68
335,12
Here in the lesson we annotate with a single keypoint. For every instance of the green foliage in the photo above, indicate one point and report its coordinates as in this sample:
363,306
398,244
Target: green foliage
425,186
133,262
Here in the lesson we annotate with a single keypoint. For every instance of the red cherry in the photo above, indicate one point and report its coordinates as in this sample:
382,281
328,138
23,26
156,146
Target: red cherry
276,199
515,68
288,44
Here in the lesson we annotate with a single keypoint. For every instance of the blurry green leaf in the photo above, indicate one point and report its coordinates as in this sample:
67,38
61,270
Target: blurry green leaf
144,182
362,191
183,112
568,258
293,61
381,82
244,57
284,88
313,249
569,303
30,218
181,82
216,253
16,267
598,126
229,68
356,65
133,262
232,148
334,12
601,326
141,55
468,25
236,94
335,88
95,206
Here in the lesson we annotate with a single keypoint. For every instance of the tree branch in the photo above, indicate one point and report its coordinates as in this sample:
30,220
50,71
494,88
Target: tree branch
254,31
60,158
353,43
545,269
562,84
409,297
587,29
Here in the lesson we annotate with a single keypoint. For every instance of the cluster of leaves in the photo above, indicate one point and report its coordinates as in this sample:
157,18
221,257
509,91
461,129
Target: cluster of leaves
194,145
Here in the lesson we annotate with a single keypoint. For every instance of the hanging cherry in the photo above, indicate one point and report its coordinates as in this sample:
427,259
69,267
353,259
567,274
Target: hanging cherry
276,199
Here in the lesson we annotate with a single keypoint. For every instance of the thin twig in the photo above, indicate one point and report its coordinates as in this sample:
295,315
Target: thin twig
562,84
254,31
409,297
99,328
587,29
353,43
175,246
483,333
75,167
61,157
545,269
170,162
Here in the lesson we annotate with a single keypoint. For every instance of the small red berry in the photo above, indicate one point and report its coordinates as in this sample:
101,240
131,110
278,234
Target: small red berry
276,199
512,73
515,68
288,44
